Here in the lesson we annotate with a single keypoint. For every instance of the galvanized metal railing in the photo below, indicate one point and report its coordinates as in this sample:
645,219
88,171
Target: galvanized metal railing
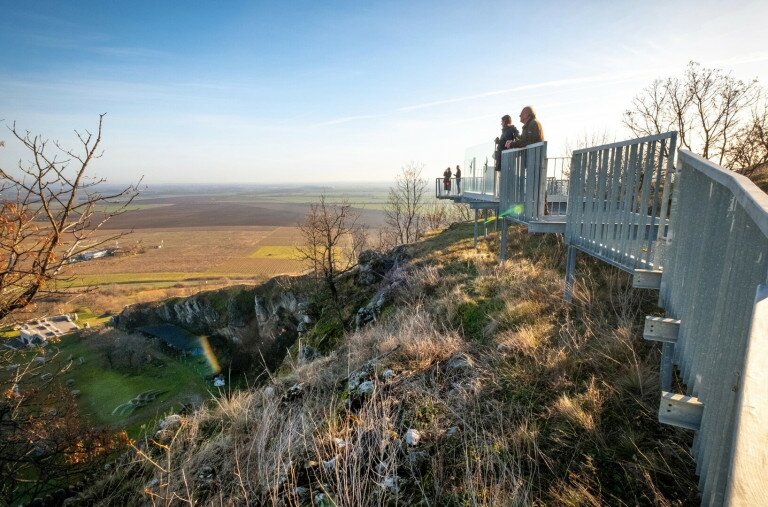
523,183
618,202
714,287
698,233
558,173
449,189
522,187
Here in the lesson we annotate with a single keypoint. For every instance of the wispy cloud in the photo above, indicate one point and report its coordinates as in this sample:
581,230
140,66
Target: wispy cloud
59,36
553,84
558,83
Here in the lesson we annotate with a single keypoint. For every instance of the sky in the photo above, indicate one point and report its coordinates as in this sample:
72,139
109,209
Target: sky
335,91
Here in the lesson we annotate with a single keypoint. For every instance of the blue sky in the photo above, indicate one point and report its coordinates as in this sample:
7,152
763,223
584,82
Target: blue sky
342,91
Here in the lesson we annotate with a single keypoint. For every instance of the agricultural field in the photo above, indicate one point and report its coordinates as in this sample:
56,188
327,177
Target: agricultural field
183,239
186,254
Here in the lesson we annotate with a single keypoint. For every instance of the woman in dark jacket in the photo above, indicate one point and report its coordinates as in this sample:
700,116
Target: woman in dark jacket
508,133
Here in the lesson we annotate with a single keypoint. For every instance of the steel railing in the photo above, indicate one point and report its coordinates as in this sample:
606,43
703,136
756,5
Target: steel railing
450,188
699,234
715,263
558,173
618,200
523,183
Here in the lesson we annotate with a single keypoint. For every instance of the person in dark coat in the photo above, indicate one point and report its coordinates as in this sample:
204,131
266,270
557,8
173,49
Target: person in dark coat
533,132
457,175
447,181
509,133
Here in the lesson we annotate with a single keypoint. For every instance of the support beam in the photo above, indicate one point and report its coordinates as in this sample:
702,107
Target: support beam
646,279
680,410
664,330
547,227
570,268
661,329
665,369
503,242
475,227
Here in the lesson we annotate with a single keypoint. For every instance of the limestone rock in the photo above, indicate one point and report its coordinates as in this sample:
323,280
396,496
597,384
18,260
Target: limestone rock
412,437
460,363
171,422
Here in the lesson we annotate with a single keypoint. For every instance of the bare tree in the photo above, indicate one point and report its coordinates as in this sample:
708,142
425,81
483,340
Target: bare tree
49,211
405,204
707,107
588,140
44,443
437,214
333,237
750,145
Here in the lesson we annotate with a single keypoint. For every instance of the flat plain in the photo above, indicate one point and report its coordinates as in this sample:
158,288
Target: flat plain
184,239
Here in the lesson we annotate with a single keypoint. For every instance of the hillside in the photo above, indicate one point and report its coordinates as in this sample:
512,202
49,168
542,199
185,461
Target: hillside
464,383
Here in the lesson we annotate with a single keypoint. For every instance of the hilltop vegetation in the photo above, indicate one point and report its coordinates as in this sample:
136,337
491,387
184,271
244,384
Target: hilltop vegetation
468,383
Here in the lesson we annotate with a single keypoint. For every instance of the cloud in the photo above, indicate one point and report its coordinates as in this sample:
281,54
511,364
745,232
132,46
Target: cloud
553,84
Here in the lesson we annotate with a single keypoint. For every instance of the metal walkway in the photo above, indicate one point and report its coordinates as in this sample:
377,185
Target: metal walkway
698,234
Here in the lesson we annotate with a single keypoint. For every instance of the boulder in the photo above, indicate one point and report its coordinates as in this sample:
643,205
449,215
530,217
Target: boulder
412,437
171,422
460,363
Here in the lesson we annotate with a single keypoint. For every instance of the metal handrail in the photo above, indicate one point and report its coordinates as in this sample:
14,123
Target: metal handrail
701,233
618,200
715,283
446,189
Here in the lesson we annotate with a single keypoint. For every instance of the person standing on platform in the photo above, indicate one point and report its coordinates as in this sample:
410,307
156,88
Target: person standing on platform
508,133
532,130
458,180
447,181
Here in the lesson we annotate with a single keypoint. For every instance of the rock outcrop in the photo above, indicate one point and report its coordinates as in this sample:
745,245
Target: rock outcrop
244,324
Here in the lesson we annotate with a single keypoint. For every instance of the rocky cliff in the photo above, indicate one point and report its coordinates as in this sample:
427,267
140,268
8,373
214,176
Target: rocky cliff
243,323
256,325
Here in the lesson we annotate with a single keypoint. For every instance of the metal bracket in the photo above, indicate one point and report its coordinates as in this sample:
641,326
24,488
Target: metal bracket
680,410
646,279
547,227
661,329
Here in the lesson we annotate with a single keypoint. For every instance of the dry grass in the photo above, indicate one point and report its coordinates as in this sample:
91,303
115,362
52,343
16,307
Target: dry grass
519,399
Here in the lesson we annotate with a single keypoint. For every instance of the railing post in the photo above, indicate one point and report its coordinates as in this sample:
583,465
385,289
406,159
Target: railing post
503,245
570,267
667,351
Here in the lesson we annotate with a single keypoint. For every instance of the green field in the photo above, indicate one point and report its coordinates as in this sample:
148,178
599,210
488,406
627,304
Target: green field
276,252
103,389
158,279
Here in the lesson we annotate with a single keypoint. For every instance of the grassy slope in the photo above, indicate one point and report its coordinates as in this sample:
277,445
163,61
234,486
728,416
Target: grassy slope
552,404
104,389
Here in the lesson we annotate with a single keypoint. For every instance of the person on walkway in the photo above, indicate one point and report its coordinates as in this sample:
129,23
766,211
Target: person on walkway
532,130
458,179
508,133
447,181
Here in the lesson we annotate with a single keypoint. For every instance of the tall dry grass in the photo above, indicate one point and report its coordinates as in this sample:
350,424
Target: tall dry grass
518,399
